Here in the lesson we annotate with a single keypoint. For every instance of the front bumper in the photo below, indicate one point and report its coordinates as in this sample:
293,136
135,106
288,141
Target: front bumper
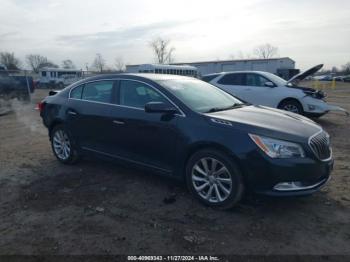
287,177
318,107
298,190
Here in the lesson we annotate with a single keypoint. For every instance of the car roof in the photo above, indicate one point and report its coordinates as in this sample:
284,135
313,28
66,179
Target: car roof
153,77
237,72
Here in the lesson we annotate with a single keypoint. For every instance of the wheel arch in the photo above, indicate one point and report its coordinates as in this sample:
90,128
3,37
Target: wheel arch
209,145
291,99
53,124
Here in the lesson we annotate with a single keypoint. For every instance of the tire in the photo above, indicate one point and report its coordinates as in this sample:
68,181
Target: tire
60,137
197,177
291,105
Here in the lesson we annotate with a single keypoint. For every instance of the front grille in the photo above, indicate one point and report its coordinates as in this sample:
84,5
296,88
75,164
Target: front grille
320,145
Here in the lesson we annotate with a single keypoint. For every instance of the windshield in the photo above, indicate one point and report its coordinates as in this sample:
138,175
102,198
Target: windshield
200,96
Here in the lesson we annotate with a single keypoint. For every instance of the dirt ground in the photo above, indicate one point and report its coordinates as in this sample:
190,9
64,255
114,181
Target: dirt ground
97,207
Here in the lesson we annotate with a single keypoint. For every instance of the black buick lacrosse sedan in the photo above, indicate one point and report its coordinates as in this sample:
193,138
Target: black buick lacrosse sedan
191,130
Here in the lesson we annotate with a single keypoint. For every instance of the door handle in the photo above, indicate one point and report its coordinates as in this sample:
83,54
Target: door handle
118,122
71,112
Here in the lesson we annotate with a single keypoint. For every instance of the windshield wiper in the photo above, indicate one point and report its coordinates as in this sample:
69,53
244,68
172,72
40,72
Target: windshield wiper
217,109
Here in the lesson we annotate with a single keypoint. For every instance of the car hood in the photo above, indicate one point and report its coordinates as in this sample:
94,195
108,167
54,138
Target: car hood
269,122
301,76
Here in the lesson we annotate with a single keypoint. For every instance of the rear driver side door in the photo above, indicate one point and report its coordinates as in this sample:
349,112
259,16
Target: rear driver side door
88,114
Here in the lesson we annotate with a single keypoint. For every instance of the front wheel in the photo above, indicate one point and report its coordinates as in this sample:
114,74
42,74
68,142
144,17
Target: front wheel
63,145
214,179
292,106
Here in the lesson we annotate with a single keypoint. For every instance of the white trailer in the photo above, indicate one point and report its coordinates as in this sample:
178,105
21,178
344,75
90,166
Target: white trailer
185,70
57,77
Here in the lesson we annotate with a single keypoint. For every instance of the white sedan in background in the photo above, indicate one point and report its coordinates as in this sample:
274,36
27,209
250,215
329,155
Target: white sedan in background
263,88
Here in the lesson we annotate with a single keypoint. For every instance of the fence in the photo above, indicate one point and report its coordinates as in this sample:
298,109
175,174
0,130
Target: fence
16,83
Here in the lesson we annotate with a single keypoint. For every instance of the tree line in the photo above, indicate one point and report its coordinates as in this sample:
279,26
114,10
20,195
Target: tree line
36,62
162,50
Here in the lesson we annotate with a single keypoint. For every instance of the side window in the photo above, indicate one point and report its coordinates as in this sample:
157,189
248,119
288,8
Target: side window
98,91
136,94
233,79
76,92
256,80
208,78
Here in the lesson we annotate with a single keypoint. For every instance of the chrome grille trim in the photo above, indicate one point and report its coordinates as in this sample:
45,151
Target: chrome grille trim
320,145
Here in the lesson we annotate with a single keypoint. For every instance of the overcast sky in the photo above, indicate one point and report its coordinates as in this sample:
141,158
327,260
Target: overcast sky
310,32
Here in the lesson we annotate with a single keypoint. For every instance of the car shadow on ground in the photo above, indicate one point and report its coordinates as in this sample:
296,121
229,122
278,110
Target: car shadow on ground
95,182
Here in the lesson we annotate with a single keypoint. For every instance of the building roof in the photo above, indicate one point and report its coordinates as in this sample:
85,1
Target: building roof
220,61
59,69
235,60
166,66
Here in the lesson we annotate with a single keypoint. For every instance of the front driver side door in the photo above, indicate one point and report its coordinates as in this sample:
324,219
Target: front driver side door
147,138
256,92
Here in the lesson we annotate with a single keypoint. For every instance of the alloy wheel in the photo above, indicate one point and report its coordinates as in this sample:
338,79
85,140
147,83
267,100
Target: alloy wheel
291,108
61,144
211,179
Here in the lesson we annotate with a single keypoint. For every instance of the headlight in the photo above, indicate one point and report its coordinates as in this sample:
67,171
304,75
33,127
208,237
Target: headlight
277,148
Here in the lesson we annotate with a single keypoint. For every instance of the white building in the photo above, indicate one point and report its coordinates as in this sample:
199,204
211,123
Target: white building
283,66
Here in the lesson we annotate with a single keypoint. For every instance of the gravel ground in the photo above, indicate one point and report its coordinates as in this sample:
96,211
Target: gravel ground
97,207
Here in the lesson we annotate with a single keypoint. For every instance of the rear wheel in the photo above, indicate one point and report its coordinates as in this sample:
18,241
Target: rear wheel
214,179
63,145
291,105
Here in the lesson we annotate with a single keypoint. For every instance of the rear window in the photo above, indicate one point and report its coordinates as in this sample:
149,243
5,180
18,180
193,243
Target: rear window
208,78
232,79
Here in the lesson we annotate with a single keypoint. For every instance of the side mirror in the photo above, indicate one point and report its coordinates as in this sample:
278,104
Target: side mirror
269,84
160,107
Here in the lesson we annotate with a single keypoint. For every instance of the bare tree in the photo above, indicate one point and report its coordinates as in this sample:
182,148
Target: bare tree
119,64
346,68
266,51
162,50
36,62
9,60
68,64
99,63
